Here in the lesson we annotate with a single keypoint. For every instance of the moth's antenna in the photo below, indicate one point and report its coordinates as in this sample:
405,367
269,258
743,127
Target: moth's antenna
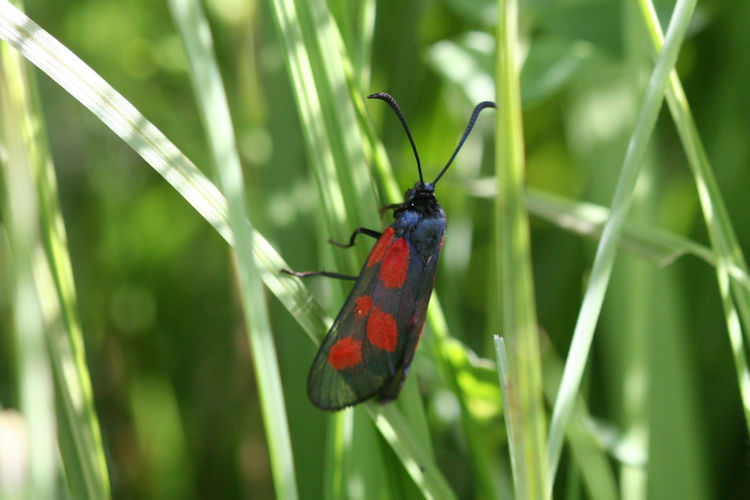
474,115
390,100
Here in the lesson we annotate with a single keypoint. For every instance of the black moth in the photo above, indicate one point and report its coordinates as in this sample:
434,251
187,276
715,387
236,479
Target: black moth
372,342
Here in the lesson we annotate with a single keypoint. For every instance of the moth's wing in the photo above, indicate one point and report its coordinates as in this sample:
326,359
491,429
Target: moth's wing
372,341
330,388
413,311
425,236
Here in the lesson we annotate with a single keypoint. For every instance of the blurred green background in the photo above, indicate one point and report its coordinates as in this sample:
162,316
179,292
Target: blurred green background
170,365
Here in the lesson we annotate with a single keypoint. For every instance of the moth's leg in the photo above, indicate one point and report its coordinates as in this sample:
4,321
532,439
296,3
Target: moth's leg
359,230
393,206
328,274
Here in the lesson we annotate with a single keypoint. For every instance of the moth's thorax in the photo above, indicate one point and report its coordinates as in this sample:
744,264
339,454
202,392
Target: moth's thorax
420,199
421,220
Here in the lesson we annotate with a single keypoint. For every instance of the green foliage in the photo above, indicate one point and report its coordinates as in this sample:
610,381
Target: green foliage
169,373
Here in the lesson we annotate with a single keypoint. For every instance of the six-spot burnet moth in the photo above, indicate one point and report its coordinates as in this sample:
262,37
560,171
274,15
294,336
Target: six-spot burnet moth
372,342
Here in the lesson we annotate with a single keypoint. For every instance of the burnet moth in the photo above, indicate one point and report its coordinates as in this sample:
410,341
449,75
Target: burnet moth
372,342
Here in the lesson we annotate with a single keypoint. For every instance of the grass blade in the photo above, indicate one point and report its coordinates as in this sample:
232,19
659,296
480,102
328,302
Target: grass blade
588,219
587,451
160,153
417,462
318,70
209,92
606,250
730,262
79,437
312,47
21,211
524,408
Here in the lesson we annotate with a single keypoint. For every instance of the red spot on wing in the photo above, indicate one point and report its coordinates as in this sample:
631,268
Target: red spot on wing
345,353
380,247
395,264
362,306
381,330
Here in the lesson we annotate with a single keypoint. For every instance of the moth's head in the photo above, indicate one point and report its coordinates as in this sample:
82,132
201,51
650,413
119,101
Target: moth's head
421,190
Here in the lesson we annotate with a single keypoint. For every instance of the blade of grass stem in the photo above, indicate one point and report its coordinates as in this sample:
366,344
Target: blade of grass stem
79,437
501,355
81,449
594,463
78,79
313,52
588,219
633,289
487,485
302,38
214,110
417,462
524,411
588,453
375,151
160,153
341,426
608,244
129,124
735,295
356,21
321,76
365,31
312,48
20,210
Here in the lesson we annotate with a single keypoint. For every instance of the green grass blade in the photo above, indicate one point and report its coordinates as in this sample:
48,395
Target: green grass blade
212,102
659,245
306,33
587,451
588,219
312,49
123,118
735,295
77,424
445,348
524,407
501,355
376,153
417,462
356,21
606,250
20,214
80,81
160,153
364,32
319,72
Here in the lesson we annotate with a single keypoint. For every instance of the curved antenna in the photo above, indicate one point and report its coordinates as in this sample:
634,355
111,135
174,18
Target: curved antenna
390,100
479,107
